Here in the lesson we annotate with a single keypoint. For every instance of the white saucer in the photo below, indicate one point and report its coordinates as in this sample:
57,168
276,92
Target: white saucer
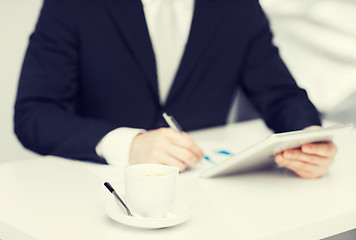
180,213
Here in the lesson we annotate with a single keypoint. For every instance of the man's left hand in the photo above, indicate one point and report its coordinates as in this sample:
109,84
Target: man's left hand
311,160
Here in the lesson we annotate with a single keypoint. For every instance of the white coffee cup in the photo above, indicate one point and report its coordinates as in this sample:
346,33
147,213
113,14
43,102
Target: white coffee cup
150,189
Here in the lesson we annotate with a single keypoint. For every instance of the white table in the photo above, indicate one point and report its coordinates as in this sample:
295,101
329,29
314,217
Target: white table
52,198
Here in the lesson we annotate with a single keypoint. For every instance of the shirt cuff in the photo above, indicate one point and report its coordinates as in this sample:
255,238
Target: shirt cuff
115,146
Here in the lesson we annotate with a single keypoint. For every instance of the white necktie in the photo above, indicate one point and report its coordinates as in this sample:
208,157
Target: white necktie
169,45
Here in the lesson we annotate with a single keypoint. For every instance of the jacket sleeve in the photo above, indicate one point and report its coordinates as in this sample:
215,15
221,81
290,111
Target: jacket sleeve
269,85
45,118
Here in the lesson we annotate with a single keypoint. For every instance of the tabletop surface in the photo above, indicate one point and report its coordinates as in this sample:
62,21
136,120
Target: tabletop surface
52,198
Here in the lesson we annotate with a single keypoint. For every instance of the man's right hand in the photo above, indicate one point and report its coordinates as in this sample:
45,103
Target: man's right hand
165,146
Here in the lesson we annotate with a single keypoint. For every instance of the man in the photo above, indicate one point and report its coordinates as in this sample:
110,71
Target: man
97,74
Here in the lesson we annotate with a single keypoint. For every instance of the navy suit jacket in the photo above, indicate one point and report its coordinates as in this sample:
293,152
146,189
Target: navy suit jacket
90,68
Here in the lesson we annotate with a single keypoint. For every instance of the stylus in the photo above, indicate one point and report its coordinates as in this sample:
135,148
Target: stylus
172,123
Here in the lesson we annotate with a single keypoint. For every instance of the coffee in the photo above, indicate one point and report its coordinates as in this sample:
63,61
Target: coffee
153,175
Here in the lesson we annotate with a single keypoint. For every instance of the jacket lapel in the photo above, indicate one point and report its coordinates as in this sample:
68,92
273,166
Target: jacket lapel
128,15
205,21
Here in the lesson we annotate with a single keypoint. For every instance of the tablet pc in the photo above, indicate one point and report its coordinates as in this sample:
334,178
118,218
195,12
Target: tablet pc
261,154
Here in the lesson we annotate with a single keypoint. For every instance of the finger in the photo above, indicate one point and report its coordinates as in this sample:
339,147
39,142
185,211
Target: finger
296,165
302,169
312,127
277,157
166,159
325,149
298,154
195,147
182,140
183,154
306,175
301,156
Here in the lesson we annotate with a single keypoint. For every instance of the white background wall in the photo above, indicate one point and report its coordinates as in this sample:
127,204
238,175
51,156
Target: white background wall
317,40
17,21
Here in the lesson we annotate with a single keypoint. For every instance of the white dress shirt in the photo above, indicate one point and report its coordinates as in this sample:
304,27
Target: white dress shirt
115,146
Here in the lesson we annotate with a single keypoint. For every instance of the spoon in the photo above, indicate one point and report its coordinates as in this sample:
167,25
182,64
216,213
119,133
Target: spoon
112,190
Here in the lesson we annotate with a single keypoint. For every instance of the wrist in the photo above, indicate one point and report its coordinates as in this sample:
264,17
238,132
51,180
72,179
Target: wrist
115,146
133,148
